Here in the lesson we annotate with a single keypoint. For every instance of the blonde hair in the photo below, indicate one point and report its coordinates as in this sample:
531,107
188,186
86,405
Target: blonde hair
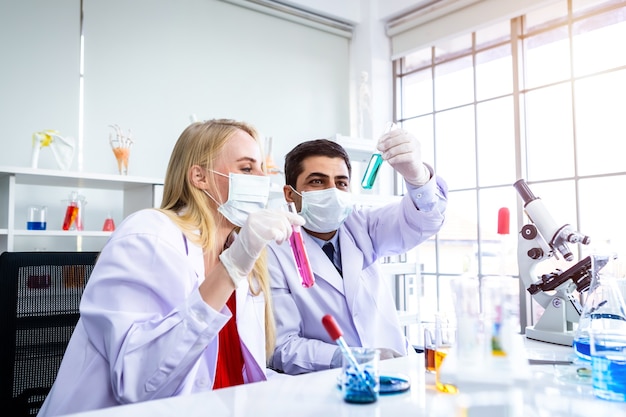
200,144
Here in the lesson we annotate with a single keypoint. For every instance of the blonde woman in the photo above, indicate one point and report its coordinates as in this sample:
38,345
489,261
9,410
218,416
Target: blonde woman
178,301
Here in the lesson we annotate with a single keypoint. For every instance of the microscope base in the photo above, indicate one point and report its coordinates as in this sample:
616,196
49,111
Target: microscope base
558,338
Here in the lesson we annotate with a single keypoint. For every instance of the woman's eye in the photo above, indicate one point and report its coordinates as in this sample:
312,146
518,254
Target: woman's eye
246,170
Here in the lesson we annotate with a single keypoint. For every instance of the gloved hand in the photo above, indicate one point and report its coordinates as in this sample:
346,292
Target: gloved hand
260,228
386,353
403,152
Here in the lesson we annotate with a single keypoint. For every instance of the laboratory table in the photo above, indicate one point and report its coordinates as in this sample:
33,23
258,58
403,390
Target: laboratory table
554,390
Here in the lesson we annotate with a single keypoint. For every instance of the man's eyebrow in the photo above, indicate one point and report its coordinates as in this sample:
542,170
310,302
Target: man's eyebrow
317,175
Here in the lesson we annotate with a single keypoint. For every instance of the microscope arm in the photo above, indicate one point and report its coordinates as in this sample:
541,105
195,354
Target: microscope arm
539,241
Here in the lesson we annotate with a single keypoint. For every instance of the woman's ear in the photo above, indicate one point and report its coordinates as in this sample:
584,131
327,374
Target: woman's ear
198,177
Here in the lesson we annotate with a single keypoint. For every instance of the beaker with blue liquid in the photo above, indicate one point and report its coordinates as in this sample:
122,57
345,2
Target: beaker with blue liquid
37,218
603,305
601,334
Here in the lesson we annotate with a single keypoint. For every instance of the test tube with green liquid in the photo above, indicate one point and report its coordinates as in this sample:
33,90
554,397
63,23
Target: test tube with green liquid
376,161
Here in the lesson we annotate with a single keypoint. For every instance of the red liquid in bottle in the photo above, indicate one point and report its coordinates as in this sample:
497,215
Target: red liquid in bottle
70,216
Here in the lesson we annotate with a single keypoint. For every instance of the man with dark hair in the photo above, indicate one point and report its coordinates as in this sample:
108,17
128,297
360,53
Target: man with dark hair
344,245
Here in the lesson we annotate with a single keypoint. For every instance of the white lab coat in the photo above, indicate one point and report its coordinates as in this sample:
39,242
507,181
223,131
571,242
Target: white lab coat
361,302
145,332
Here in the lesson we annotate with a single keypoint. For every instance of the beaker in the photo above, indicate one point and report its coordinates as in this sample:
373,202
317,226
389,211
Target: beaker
36,218
604,306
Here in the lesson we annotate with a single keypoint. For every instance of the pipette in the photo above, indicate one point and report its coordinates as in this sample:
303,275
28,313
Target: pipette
336,334
299,253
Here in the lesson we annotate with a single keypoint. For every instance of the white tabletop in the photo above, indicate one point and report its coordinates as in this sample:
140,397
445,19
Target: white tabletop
553,391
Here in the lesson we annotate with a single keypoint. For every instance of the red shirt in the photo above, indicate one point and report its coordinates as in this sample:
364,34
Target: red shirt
229,370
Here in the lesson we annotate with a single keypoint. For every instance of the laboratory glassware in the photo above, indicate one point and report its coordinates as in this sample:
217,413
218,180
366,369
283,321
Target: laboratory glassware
376,161
368,381
299,252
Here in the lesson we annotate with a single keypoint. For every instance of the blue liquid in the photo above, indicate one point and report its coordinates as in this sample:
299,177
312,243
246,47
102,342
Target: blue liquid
582,348
356,390
371,171
36,225
608,372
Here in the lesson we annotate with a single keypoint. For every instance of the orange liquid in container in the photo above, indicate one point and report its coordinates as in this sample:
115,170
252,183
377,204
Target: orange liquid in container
70,216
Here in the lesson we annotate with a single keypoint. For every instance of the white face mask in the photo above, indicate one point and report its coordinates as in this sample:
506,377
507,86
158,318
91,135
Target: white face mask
246,194
325,210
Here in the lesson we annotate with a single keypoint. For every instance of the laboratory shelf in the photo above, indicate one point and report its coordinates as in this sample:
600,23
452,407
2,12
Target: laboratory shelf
106,195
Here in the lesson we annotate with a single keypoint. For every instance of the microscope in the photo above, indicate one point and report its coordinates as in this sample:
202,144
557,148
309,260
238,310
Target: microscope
557,292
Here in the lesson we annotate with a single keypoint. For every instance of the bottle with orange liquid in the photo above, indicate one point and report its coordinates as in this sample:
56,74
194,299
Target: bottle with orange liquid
73,219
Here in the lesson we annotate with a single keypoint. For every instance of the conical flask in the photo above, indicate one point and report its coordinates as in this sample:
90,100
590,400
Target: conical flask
604,306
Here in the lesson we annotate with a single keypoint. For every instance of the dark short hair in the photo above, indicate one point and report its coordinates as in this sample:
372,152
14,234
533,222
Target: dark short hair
316,147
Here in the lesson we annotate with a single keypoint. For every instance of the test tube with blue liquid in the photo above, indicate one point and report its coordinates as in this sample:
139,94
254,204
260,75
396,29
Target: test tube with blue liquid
376,161
299,252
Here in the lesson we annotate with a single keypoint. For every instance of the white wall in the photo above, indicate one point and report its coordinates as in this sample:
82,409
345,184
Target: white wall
149,64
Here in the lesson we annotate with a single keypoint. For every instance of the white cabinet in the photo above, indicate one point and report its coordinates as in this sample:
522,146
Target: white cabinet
114,195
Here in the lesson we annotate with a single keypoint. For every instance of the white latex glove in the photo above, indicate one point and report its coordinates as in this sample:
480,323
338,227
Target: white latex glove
404,153
386,353
261,227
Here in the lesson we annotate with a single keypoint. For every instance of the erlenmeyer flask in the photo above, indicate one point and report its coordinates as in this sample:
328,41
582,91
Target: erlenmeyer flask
604,306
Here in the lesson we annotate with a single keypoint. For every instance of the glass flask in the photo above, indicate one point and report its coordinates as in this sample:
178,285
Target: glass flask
604,306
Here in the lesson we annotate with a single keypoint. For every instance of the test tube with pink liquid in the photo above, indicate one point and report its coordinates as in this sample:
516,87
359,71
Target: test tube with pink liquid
299,253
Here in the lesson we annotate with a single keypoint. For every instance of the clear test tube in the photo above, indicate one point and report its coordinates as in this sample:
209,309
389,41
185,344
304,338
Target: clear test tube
299,253
375,163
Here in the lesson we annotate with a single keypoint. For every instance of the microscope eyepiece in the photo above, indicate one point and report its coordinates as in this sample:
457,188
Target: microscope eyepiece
523,191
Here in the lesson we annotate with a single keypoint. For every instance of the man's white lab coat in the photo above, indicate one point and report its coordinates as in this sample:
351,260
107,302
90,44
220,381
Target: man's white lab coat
361,302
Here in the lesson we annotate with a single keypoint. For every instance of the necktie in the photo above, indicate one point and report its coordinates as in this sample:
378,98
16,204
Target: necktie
329,250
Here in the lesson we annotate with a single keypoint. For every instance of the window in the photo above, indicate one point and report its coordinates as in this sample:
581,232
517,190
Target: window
540,97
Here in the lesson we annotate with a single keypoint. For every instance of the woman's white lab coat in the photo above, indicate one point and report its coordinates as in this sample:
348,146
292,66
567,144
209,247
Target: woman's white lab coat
144,331
361,302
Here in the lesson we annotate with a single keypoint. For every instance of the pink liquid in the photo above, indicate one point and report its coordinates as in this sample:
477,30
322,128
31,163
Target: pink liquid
109,225
301,257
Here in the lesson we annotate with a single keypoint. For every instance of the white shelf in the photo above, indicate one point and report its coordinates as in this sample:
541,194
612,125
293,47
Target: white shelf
61,233
358,149
75,179
399,268
23,186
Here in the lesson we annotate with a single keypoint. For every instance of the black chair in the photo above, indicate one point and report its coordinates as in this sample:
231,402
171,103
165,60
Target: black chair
39,298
